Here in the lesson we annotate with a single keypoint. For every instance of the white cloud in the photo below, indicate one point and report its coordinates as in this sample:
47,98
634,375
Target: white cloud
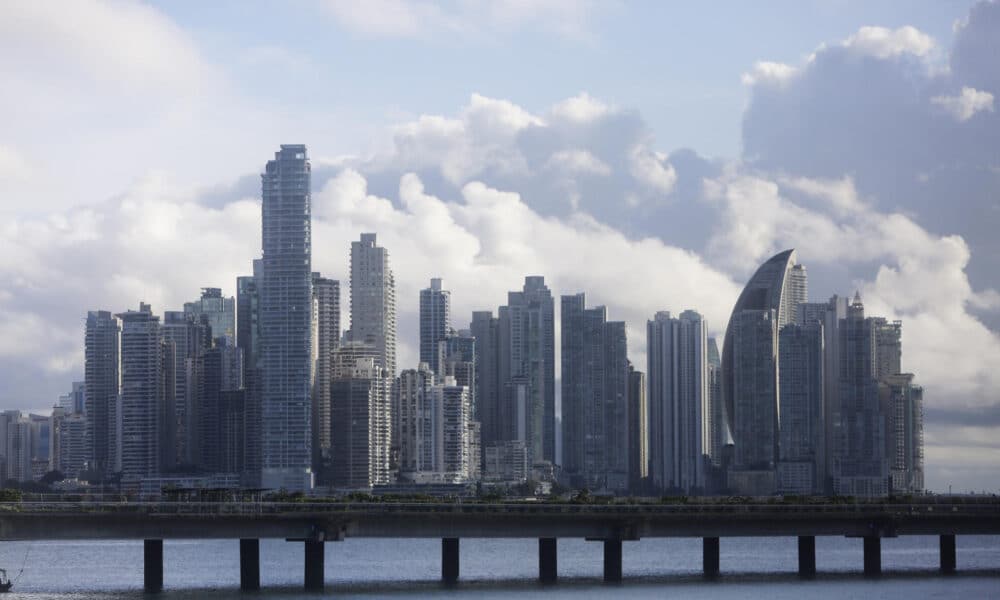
921,278
767,72
581,108
652,169
578,161
966,104
882,42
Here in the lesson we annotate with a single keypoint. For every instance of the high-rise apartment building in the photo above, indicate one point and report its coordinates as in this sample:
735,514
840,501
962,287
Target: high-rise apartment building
216,310
487,387
680,418
526,335
222,390
146,380
638,431
285,305
904,402
190,337
435,322
326,340
248,340
801,383
829,314
373,300
859,466
360,426
102,382
594,397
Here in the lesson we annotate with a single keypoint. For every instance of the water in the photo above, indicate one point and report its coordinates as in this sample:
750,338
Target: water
492,568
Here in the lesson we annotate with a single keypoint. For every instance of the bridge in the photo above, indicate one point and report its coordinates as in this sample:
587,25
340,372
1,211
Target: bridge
316,523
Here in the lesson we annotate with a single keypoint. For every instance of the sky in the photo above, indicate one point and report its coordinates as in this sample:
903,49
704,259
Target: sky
650,154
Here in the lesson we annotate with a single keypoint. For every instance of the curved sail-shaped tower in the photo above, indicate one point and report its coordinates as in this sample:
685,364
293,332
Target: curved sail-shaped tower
749,358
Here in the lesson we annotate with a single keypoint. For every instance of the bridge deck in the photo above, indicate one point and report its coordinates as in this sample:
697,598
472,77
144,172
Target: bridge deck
334,521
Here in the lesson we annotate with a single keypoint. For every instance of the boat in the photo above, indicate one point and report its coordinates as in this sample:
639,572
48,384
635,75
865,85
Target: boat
5,582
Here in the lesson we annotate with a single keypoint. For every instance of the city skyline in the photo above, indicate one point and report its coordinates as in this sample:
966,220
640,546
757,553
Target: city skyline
580,184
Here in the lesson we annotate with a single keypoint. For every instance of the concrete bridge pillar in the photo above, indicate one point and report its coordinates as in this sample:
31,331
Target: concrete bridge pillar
449,560
613,560
314,579
710,557
948,561
249,565
547,571
807,556
873,556
152,565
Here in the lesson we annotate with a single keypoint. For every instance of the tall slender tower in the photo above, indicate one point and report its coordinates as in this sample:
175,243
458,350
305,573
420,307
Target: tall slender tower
679,424
101,374
435,306
326,340
373,301
143,397
286,322
527,364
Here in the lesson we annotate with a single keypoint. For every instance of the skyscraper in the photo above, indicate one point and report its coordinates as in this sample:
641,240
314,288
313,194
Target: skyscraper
484,329
802,449
769,301
248,340
717,426
860,467
219,312
527,362
359,425
373,300
415,426
904,402
638,431
594,397
190,337
101,375
146,379
829,314
680,419
326,339
221,389
435,322
285,289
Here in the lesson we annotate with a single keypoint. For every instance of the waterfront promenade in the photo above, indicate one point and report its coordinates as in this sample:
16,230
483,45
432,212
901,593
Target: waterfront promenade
315,523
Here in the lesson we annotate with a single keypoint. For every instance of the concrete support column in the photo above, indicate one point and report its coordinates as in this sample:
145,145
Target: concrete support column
547,571
948,561
873,556
152,565
449,560
613,560
314,579
807,556
710,557
249,565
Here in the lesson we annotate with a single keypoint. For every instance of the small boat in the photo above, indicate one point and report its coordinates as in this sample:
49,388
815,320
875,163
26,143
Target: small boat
5,582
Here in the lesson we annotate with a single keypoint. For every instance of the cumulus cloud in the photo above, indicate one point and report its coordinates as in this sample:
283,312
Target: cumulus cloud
966,104
768,72
878,108
920,277
882,42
